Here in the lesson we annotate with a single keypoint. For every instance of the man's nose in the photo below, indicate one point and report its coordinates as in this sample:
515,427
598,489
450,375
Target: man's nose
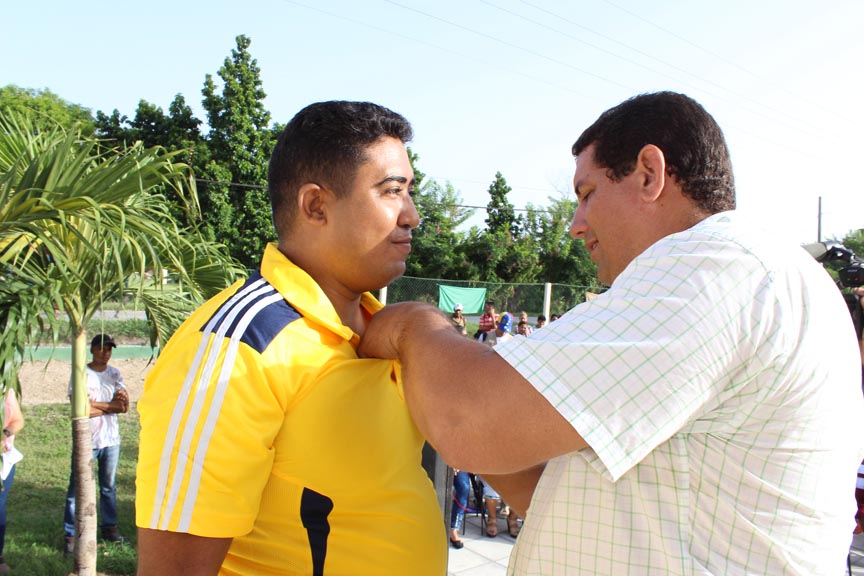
578,226
409,217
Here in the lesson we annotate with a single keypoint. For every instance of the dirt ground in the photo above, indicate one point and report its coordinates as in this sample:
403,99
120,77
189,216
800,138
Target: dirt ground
48,382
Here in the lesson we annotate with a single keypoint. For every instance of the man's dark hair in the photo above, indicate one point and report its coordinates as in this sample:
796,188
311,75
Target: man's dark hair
691,141
326,143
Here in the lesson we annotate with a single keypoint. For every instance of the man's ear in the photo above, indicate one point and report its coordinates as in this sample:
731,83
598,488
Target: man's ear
312,201
651,169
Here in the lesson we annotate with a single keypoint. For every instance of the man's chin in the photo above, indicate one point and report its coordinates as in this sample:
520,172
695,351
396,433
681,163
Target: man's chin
388,274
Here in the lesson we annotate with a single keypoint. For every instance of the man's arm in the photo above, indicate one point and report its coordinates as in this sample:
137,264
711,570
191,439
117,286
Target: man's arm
119,404
517,489
162,553
15,420
477,411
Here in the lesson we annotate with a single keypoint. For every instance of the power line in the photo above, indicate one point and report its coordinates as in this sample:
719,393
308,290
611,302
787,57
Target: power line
582,70
391,32
718,57
231,184
514,46
481,182
537,54
447,204
573,23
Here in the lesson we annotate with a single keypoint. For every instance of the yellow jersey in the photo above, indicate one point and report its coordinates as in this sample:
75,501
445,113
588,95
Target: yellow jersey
259,423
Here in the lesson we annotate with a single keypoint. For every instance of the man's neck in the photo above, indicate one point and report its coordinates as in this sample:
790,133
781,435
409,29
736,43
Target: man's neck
345,301
354,316
97,367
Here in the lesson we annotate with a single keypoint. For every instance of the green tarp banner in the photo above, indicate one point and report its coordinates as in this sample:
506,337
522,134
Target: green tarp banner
472,299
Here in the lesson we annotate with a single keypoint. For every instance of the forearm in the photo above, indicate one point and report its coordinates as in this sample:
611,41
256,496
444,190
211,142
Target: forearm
15,422
440,393
98,409
471,405
517,489
477,411
14,426
106,408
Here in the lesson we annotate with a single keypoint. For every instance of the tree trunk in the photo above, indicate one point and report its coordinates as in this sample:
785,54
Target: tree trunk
82,458
85,498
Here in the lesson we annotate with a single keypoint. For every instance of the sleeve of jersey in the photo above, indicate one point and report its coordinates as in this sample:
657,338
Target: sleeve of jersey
634,366
209,416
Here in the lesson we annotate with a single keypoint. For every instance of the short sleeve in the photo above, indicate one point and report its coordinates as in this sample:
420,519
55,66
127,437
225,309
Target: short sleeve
633,366
206,440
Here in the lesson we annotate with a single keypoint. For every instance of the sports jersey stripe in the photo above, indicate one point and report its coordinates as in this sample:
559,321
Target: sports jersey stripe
314,511
191,492
203,383
183,398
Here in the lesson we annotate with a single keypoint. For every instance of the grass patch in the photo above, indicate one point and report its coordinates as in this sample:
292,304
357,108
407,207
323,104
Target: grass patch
34,533
125,330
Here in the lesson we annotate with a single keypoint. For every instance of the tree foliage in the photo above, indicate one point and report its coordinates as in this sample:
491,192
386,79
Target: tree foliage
562,258
178,130
81,224
44,108
435,250
240,141
229,154
854,241
501,213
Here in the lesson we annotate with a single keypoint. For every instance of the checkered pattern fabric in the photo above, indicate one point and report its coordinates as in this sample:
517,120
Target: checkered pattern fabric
717,384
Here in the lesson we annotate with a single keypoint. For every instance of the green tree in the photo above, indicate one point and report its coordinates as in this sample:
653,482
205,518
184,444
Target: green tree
501,214
179,130
435,250
854,241
563,259
418,175
44,107
240,141
80,224
514,254
114,127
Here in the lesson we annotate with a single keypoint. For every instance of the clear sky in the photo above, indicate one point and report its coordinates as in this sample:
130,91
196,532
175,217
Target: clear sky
499,85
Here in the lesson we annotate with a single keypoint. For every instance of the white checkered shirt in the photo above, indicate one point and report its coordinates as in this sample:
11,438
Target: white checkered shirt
718,385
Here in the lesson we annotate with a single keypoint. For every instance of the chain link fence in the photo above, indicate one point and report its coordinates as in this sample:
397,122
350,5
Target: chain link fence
505,296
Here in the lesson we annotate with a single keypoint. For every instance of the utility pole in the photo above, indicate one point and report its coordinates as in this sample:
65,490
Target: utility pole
819,222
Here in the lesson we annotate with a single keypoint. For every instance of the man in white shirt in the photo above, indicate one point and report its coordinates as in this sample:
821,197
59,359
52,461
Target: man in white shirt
108,397
698,417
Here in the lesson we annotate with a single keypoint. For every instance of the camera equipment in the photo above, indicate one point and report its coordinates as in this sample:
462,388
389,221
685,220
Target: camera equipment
850,276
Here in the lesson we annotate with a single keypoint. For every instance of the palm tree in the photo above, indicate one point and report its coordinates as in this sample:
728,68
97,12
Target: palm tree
81,224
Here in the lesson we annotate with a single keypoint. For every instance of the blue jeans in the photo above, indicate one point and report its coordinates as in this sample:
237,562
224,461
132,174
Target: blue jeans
461,487
107,459
7,485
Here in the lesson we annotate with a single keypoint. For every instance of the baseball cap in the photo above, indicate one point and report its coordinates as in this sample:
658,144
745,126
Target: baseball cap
505,322
102,340
457,307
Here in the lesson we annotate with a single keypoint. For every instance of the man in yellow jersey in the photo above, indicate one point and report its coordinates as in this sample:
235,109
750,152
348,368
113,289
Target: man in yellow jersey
267,446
